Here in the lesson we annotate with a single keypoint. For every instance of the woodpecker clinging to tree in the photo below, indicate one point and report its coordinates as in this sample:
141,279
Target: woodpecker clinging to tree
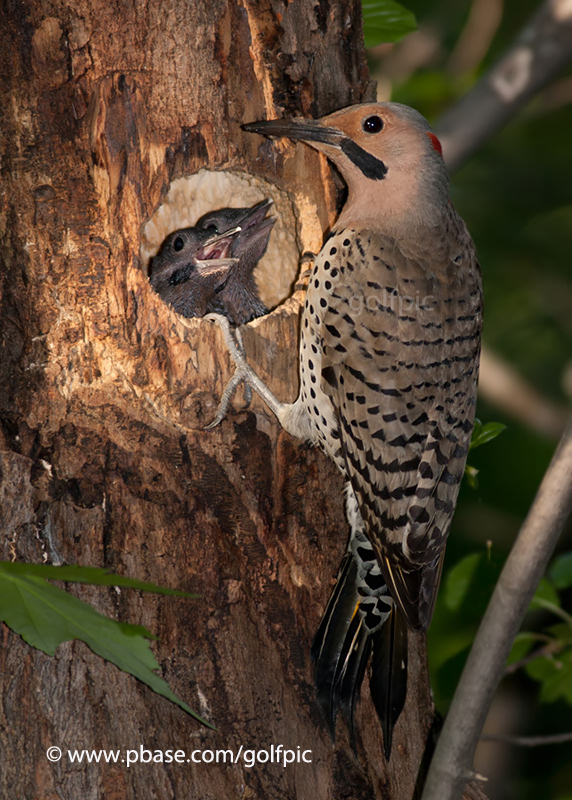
389,352
239,300
191,267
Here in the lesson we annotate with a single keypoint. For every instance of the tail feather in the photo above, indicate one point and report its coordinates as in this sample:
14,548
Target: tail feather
388,681
332,639
355,625
352,673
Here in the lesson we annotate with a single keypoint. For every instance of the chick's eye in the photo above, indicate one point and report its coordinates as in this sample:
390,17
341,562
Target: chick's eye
211,227
178,244
372,124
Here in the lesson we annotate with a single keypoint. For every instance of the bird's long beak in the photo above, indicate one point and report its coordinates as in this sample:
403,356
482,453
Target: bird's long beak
323,138
255,222
305,130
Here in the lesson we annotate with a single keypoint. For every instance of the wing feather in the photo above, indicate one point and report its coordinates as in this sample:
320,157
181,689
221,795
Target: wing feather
400,344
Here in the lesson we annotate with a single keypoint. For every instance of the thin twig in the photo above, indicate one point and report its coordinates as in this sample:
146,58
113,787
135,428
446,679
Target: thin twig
539,54
528,741
473,44
525,566
549,649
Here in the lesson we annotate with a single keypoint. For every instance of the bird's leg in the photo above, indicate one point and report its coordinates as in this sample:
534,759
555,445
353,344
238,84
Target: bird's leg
243,372
247,387
237,378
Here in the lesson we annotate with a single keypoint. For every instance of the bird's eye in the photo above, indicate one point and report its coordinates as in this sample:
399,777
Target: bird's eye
211,227
372,124
178,244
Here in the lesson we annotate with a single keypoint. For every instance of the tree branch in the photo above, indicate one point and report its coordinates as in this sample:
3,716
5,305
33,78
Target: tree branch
528,741
526,564
540,52
538,55
501,385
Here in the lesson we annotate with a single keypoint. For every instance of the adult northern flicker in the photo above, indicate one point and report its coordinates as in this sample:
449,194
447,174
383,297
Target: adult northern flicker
239,300
389,354
191,267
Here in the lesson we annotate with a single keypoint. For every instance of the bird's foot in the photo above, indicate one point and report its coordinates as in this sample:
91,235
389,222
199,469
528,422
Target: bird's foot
243,374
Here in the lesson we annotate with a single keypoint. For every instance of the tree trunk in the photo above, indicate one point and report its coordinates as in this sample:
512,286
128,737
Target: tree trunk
104,392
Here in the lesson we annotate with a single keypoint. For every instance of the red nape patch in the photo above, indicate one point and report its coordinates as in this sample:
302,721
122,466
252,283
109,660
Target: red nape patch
435,142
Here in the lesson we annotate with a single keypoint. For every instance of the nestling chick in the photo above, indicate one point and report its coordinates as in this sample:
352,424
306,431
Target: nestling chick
239,299
191,268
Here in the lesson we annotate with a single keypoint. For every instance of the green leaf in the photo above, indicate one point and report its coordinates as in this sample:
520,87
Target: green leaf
561,633
485,433
481,435
561,571
459,580
522,645
92,575
45,616
470,584
545,593
554,673
386,21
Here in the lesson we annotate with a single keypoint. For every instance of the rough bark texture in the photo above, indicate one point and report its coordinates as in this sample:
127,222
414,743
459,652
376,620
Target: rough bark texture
104,392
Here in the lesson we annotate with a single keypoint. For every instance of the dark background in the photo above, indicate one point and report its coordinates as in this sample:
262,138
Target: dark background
515,194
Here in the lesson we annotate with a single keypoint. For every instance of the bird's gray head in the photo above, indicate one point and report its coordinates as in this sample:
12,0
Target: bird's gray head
183,251
255,227
191,267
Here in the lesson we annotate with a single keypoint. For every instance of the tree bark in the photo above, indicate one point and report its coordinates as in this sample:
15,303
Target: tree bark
104,392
